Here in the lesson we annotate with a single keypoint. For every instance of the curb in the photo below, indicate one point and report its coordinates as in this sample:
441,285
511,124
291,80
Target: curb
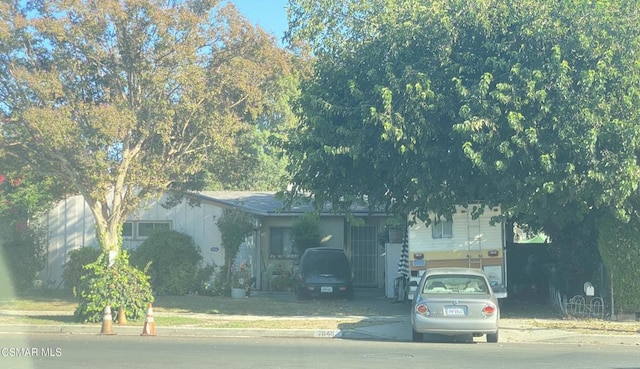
394,332
176,331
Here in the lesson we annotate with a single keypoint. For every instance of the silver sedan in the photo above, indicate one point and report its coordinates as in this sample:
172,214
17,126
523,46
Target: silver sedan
455,301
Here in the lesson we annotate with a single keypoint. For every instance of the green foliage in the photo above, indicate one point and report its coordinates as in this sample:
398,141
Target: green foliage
203,278
259,162
119,285
133,107
74,268
235,226
24,250
222,282
418,105
305,232
618,245
282,283
24,195
532,104
576,254
173,259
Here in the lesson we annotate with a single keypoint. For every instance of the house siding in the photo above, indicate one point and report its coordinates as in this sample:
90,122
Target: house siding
70,225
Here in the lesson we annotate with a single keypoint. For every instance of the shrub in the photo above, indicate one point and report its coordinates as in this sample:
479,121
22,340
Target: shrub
205,285
282,283
119,286
305,232
74,268
25,252
618,245
174,259
222,282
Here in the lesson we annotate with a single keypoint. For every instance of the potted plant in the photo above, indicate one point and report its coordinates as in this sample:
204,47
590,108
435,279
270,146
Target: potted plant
241,281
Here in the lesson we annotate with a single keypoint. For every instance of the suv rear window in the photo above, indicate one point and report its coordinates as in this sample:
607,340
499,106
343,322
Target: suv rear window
326,262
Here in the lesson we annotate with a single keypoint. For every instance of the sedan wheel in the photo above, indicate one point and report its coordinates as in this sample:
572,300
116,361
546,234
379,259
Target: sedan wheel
417,336
299,294
492,338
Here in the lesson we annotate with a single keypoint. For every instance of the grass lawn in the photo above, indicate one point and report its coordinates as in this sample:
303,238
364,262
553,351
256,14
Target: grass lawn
55,307
60,300
262,306
41,300
51,307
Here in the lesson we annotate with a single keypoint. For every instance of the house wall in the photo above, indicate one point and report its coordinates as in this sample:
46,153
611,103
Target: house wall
332,230
71,225
196,221
335,232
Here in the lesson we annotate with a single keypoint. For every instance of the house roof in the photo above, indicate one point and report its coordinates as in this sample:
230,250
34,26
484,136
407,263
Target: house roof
268,204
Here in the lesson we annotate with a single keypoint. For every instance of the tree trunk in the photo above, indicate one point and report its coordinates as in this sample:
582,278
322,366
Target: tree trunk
108,227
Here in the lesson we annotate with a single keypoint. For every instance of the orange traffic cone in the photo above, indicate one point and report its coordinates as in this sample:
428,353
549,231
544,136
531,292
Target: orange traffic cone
149,328
107,321
122,318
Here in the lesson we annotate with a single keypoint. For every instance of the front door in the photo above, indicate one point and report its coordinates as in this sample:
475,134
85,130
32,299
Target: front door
364,255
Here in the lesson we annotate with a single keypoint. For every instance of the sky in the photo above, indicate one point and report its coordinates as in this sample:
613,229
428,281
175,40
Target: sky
268,14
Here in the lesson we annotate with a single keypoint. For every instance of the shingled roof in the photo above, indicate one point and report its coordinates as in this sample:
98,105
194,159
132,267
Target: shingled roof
268,204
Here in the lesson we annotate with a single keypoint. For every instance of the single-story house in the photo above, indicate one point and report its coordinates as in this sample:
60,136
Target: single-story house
70,225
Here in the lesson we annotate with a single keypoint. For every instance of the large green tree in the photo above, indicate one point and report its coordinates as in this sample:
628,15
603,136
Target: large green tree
259,162
432,102
419,105
123,101
422,104
376,117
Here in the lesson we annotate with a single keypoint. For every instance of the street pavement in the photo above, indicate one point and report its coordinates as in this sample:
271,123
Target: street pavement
393,325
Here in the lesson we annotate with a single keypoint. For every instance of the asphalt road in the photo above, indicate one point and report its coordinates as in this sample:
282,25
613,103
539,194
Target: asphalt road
97,352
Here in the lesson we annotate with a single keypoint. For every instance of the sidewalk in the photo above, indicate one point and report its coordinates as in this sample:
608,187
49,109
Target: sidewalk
393,326
511,330
383,328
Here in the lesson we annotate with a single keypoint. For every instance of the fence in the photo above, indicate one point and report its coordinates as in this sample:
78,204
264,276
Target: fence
578,306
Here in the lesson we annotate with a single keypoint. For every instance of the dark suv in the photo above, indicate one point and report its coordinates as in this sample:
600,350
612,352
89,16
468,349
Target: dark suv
323,271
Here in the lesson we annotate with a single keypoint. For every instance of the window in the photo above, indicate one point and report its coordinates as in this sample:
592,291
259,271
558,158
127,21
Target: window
145,228
127,230
280,245
142,229
442,229
456,284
